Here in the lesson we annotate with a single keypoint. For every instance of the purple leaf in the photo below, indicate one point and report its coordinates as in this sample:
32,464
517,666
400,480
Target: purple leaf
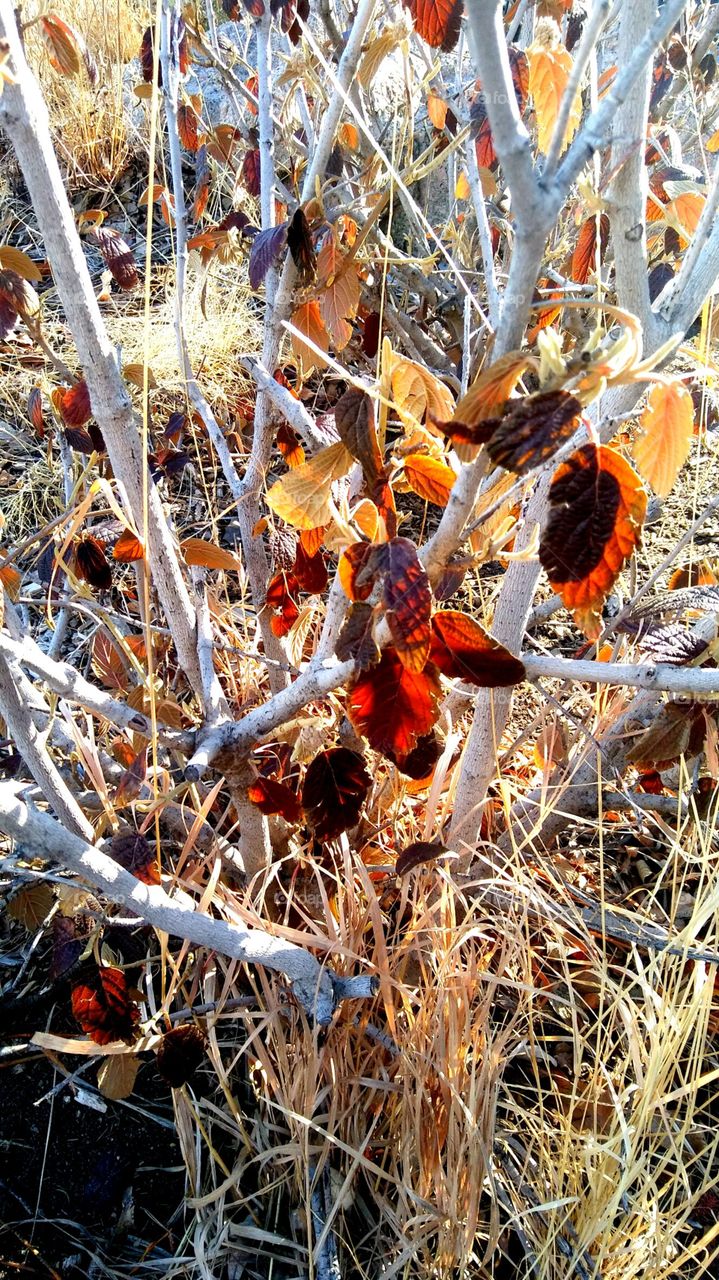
266,249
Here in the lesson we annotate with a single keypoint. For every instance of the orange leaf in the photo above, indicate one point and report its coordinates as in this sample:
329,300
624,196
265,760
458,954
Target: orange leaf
208,555
103,1007
584,258
486,397
550,66
598,505
407,599
393,707
667,426
303,497
429,478
463,649
308,320
65,48
437,21
436,110
128,547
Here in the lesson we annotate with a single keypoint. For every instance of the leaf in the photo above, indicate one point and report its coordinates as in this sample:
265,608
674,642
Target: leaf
584,258
188,124
677,730
357,570
519,66
116,1076
147,56
103,1007
550,66
73,404
416,853
135,854
299,242
271,797
666,430
31,905
436,110
355,422
130,784
117,256
417,393
308,320
486,397
91,563
437,21
251,171
376,51
418,763
209,556
393,707
355,641
180,1053
407,600
334,790
282,590
429,478
35,411
15,260
18,294
128,548
310,571
65,47
303,496
267,247
532,429
339,299
598,506
462,648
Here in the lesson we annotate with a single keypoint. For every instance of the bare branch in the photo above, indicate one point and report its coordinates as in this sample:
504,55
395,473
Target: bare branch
313,985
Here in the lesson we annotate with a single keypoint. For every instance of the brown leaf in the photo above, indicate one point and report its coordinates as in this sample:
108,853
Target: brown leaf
415,854
116,1076
462,648
355,422
407,599
356,641
334,790
180,1053
532,429
303,497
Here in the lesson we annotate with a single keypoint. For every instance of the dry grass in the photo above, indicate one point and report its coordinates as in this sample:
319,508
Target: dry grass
521,1098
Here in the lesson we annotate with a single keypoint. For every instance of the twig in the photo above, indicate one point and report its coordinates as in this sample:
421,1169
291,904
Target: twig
312,984
591,32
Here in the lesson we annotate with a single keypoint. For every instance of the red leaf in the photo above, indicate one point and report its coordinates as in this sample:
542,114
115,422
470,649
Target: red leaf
310,571
463,649
35,411
393,707
407,599
202,182
265,252
420,761
104,1009
251,171
357,570
79,439
519,64
147,53
128,547
135,854
289,445
74,405
531,429
437,21
275,797
187,126
598,506
282,590
584,258
179,1054
91,563
417,853
130,784
335,787
117,256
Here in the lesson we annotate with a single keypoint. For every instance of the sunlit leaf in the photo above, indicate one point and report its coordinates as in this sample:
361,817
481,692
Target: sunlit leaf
208,555
462,649
532,429
437,21
666,428
393,707
407,600
597,507
414,855
116,1076
355,422
103,1007
550,67
429,478
303,496
308,320
271,797
584,258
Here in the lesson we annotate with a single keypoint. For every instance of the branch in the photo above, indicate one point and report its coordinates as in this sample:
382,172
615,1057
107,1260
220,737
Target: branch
681,301
315,987
689,682
64,680
24,116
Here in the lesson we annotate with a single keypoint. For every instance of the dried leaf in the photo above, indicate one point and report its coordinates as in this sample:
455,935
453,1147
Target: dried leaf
355,641
266,250
598,506
355,422
117,256
31,905
209,556
584,258
437,21
415,854
15,260
308,320
334,790
666,430
532,429
550,67
303,496
116,1076
180,1053
462,648
429,478
407,600
393,707
65,47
